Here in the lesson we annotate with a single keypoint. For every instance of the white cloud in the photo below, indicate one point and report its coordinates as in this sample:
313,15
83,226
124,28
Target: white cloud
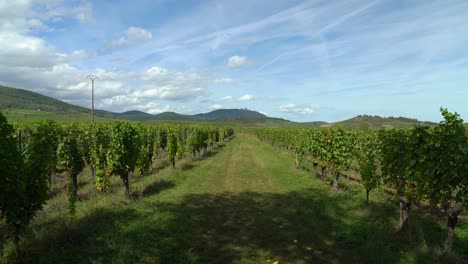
246,98
77,55
154,72
264,113
18,50
136,33
216,106
36,24
353,57
119,42
131,36
223,80
172,85
237,61
83,13
299,109
56,11
25,16
156,109
226,99
122,103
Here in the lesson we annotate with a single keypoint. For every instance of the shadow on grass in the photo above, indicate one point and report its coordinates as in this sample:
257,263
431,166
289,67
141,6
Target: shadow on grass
297,227
157,187
160,165
187,166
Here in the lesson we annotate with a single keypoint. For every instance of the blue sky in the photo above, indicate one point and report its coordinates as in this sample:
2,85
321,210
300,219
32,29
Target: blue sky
299,60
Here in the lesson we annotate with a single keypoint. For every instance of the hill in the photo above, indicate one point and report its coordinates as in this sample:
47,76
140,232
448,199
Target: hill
13,98
314,123
134,115
377,122
221,115
24,104
19,104
233,115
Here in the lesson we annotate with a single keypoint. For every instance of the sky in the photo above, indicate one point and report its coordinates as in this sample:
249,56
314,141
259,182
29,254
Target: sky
299,60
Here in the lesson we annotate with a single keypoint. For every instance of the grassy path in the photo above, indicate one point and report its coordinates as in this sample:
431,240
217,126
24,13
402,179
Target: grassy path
244,204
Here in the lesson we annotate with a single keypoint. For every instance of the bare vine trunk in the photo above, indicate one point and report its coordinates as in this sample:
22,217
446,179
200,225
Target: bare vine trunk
124,178
315,169
173,162
324,173
405,207
452,220
367,196
93,172
74,178
150,156
336,176
297,162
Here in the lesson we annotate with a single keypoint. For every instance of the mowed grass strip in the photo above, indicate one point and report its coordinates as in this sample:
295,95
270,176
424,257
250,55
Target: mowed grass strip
242,203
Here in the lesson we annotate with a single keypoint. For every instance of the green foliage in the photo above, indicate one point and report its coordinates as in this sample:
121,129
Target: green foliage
11,174
123,151
146,153
99,145
331,147
367,155
395,160
172,145
70,155
233,208
442,161
70,151
422,163
26,172
338,148
30,153
39,161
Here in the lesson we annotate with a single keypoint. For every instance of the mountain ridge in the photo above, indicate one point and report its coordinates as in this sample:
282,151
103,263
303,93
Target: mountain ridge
13,98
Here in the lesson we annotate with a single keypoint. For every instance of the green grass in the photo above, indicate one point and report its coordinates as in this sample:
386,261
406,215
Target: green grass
243,203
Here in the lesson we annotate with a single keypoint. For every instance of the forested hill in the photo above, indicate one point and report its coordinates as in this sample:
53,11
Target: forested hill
13,98
377,122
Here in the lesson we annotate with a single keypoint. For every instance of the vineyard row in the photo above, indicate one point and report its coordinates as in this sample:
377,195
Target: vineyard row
423,164
31,153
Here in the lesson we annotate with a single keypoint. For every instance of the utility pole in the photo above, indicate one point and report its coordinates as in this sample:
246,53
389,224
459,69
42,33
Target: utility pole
92,78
